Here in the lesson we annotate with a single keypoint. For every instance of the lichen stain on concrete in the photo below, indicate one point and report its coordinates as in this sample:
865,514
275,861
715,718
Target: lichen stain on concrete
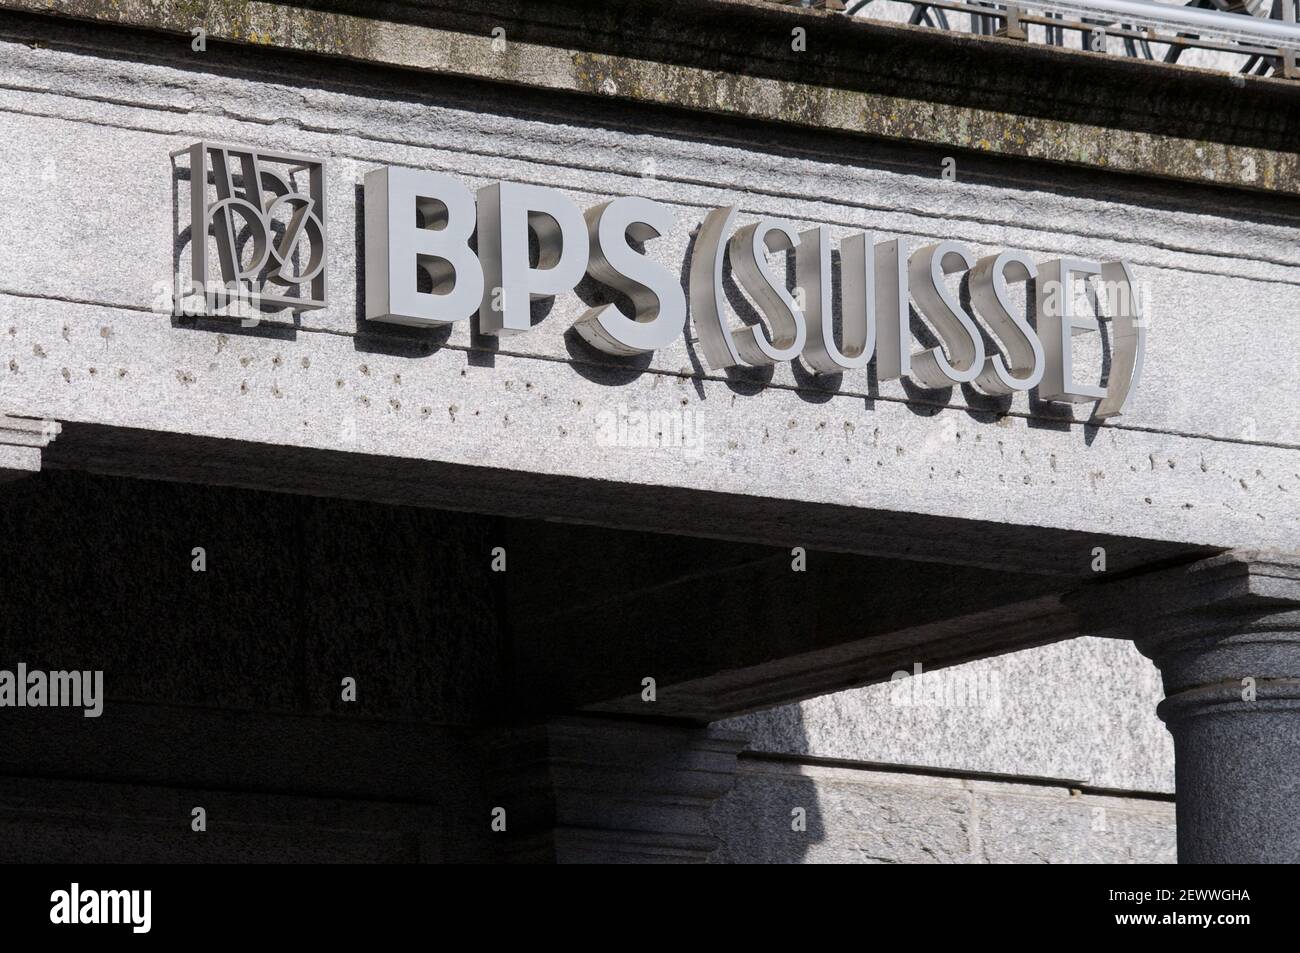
693,89
832,108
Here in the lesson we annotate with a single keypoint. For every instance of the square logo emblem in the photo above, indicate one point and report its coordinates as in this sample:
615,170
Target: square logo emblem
257,228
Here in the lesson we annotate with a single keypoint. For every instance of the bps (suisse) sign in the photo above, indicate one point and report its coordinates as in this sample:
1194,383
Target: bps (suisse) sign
269,230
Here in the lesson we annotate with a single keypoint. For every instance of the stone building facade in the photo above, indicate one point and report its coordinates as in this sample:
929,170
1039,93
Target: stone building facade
604,607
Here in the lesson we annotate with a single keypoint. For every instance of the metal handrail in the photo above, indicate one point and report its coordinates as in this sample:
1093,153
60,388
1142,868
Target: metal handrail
1222,25
1270,44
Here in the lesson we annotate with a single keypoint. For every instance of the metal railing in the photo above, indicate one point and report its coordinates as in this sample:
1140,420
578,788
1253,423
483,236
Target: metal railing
1262,35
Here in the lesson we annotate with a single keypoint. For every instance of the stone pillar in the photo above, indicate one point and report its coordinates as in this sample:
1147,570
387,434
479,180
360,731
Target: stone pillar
1225,634
600,790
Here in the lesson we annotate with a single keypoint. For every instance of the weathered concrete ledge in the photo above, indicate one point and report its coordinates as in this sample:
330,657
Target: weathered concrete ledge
733,57
21,442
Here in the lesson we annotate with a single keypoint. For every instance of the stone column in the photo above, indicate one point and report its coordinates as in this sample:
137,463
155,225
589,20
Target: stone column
602,790
1225,634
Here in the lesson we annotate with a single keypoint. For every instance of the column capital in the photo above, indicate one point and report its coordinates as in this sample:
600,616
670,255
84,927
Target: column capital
1229,617
1236,579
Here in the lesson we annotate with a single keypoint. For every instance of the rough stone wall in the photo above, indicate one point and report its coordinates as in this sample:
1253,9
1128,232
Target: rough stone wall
852,815
224,687
1081,712
1078,717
